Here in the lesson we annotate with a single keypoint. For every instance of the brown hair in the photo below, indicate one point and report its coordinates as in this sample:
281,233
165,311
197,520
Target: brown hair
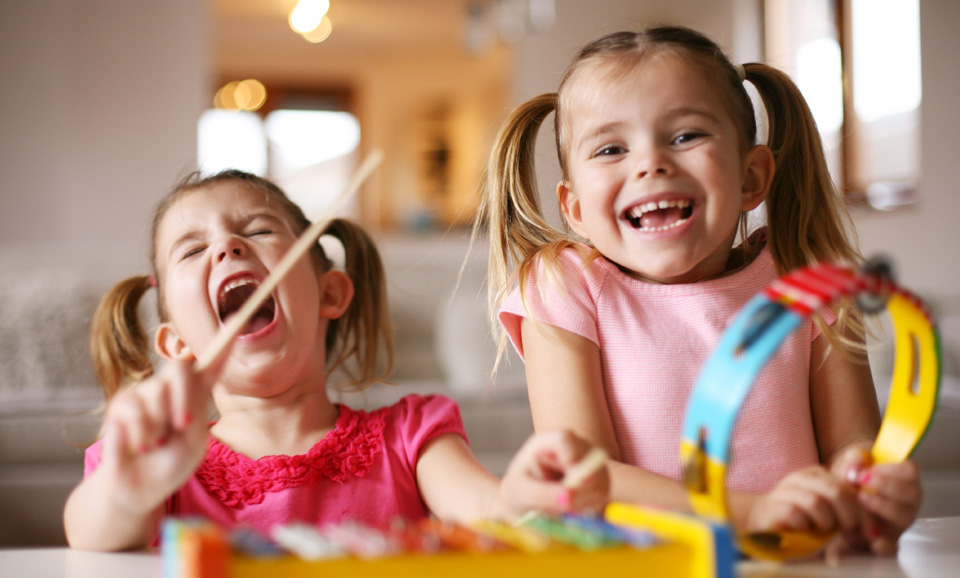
807,221
121,350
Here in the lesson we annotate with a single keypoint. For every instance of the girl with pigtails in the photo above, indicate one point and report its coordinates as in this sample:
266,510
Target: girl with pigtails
279,451
616,314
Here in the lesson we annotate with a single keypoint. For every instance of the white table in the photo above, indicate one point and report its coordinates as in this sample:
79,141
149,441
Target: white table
930,549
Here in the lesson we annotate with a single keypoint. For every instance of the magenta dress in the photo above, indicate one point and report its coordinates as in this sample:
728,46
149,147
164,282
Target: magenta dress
364,470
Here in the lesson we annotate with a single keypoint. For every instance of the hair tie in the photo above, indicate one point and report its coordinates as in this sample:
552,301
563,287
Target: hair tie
741,73
152,280
334,250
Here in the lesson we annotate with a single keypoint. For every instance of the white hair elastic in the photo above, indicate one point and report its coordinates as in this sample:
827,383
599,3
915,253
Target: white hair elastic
741,73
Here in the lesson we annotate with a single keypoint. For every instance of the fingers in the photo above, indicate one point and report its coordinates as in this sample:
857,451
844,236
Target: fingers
810,500
142,414
561,474
146,415
892,493
852,462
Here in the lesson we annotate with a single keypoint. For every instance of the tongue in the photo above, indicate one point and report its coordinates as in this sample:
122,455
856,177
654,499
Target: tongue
660,218
260,320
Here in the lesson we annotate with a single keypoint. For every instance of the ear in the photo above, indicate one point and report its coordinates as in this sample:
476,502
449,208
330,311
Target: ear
757,176
168,345
570,206
336,293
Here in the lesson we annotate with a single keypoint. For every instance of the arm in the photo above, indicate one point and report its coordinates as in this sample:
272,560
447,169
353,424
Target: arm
455,486
843,400
150,448
564,380
565,385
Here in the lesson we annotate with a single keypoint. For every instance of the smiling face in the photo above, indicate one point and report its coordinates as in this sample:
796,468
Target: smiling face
657,174
214,246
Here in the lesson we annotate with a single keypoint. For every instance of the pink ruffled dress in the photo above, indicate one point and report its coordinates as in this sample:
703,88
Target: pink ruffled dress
364,470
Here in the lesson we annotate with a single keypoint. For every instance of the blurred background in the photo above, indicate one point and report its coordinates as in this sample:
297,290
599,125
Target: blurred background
106,104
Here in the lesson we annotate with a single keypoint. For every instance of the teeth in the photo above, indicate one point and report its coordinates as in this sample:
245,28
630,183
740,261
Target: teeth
236,283
636,213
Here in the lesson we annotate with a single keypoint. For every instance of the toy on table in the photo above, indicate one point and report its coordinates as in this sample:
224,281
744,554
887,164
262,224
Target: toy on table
656,543
749,342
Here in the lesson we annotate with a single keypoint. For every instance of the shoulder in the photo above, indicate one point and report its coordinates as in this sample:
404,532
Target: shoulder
415,420
575,271
418,411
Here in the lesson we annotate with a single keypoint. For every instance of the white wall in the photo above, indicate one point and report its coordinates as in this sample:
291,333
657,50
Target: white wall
98,107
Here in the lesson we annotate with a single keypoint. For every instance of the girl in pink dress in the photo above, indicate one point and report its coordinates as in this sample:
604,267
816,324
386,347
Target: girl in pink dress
279,451
615,317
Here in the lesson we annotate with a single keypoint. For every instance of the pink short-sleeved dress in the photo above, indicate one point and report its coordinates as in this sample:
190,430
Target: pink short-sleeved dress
364,470
654,339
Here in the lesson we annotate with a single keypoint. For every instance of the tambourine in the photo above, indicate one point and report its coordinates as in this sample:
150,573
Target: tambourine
753,338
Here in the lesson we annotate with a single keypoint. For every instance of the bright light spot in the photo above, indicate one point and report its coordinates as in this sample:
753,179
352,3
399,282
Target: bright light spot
321,32
225,96
231,140
886,57
250,95
247,94
303,138
308,14
820,79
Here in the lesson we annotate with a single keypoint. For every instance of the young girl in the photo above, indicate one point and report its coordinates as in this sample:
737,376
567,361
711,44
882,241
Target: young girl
657,143
279,450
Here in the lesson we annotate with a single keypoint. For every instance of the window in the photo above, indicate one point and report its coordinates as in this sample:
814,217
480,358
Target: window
307,147
857,63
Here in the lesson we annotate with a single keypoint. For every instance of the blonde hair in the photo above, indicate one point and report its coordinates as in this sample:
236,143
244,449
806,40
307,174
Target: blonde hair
806,218
119,345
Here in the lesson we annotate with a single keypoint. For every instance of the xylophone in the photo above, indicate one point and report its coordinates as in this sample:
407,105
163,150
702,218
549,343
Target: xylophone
626,539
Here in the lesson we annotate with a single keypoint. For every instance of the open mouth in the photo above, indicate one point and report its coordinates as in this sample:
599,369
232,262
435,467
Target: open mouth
659,215
234,294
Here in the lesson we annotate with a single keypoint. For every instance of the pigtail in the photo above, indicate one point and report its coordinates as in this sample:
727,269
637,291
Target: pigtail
365,328
808,222
118,343
510,206
807,218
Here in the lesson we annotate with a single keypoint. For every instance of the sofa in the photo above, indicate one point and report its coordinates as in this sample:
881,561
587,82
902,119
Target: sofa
50,403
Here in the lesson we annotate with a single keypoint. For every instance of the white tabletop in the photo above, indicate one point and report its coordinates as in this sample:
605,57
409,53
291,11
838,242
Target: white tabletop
931,548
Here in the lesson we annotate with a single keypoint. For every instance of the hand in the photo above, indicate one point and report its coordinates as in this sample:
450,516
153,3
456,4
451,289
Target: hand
535,477
808,500
156,435
890,496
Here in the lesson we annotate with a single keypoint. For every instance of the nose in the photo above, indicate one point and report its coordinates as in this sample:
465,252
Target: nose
653,163
229,247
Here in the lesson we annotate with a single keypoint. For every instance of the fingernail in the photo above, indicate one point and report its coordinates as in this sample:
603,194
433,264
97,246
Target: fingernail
564,498
161,442
853,476
187,419
875,532
864,477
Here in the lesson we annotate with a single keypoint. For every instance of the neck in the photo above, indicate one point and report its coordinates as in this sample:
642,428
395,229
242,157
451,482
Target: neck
289,424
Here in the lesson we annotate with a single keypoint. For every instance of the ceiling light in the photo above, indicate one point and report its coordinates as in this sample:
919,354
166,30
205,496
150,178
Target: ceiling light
308,14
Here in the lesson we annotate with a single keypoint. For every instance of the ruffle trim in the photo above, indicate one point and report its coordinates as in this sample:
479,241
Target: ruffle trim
350,449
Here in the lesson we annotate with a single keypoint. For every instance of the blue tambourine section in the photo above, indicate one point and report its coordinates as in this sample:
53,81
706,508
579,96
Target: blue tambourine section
727,377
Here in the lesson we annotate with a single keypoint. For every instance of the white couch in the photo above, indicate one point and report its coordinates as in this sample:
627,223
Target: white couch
48,395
